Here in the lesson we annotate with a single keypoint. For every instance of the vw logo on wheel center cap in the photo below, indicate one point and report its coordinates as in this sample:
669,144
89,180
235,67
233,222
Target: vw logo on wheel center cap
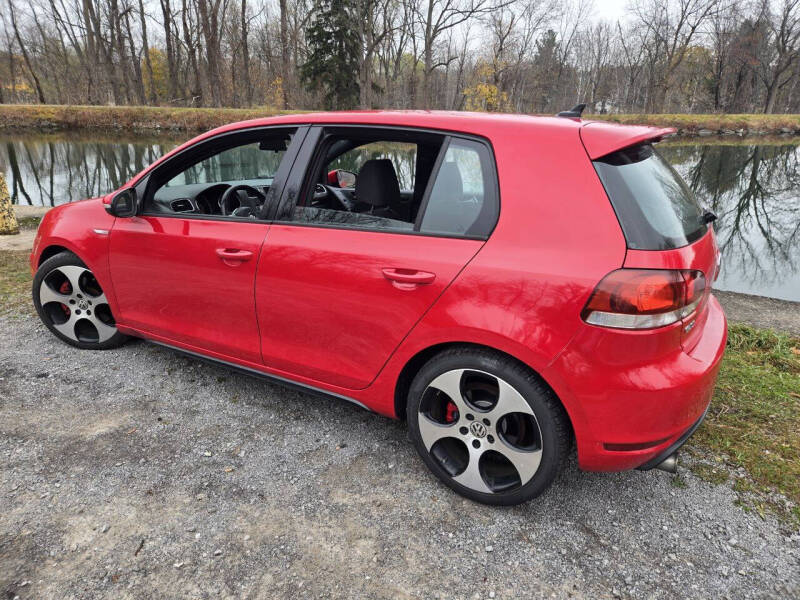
477,429
83,304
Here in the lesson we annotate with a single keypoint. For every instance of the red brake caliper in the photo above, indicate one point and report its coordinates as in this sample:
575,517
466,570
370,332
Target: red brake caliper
451,413
65,289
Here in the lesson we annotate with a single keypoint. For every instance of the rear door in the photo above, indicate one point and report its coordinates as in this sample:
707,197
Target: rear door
337,290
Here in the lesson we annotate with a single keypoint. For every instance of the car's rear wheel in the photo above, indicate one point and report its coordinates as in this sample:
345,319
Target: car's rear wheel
72,304
487,426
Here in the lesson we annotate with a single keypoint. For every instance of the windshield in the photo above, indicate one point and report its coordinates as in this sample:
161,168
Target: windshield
655,207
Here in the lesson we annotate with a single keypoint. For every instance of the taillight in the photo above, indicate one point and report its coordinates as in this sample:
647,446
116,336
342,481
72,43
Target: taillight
644,298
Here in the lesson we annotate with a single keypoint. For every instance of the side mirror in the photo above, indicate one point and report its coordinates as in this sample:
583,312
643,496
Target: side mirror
345,179
123,204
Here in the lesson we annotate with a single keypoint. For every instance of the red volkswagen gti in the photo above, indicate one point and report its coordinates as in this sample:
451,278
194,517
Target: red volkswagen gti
507,284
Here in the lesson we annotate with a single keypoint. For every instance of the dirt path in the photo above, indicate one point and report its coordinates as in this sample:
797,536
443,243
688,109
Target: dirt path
139,473
24,239
761,312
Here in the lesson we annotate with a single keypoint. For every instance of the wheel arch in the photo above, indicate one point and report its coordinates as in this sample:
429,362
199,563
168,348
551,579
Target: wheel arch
418,360
52,250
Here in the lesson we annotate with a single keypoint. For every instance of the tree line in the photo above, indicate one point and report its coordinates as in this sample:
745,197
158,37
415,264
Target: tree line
532,56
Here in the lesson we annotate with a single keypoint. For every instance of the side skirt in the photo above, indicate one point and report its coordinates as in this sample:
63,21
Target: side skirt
302,387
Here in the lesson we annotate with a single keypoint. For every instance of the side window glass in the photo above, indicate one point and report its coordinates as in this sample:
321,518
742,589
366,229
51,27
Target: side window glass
402,155
248,162
233,182
462,200
366,184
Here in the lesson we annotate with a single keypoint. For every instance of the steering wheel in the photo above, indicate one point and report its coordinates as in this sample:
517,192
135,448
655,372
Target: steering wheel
238,196
345,201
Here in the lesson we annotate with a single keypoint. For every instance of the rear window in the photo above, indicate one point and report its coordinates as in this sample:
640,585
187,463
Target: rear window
656,209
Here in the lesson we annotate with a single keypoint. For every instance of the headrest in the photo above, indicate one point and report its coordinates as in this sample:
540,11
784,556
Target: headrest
377,184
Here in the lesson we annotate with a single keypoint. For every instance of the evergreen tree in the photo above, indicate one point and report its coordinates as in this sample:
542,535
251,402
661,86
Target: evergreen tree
334,46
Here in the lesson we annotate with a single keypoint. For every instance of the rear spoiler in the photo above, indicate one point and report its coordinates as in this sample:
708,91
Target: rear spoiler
601,139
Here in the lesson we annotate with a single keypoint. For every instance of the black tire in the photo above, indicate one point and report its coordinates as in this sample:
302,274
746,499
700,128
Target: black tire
90,331
474,369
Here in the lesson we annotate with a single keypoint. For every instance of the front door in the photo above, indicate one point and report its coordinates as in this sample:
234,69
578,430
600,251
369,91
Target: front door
345,274
184,270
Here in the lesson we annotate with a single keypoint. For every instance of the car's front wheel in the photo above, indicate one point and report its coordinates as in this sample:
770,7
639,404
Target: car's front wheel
72,304
487,426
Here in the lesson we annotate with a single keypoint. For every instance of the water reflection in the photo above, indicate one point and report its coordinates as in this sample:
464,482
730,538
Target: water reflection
47,170
754,189
755,192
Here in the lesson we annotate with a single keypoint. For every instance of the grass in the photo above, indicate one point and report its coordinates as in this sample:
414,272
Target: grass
136,118
28,222
157,118
730,140
689,123
15,281
754,421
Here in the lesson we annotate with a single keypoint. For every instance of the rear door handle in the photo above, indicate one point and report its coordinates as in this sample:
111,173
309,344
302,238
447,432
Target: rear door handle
233,256
408,278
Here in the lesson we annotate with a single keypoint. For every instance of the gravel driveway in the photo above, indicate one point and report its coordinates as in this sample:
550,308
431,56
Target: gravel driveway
141,473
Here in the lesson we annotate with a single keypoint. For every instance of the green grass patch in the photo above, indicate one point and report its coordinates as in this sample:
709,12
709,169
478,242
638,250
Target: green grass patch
49,116
160,118
29,222
689,123
15,281
754,421
715,475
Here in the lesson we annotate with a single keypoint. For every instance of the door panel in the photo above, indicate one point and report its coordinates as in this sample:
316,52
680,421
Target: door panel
333,304
190,280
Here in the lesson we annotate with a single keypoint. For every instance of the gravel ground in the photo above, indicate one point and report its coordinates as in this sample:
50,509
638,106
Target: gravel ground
759,311
141,473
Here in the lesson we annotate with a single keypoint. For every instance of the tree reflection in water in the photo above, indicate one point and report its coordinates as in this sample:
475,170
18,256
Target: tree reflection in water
51,169
755,192
753,189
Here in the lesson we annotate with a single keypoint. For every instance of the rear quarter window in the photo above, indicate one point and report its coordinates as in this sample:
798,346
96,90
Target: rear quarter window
463,199
655,207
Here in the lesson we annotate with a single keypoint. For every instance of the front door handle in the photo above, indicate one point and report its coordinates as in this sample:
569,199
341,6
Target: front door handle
405,279
233,256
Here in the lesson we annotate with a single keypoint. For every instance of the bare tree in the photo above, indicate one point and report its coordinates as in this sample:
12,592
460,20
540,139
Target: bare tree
438,17
785,29
672,26
26,57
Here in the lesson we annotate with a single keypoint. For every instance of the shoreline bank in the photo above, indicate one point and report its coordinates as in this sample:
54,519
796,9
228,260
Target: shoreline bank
153,119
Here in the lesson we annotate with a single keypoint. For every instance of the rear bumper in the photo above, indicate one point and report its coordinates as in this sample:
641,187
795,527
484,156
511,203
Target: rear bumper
634,397
676,445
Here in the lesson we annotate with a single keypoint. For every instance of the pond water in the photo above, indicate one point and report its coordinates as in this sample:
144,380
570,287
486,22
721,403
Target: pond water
753,189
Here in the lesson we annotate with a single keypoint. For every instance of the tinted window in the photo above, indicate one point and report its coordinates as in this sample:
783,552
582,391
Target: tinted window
462,201
656,209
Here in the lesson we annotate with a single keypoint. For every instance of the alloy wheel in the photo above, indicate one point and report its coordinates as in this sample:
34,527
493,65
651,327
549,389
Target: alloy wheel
74,303
480,430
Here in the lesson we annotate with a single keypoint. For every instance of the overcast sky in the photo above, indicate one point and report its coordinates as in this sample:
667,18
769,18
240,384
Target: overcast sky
611,10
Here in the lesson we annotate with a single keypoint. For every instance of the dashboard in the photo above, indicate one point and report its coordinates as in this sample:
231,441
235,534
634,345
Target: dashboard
200,198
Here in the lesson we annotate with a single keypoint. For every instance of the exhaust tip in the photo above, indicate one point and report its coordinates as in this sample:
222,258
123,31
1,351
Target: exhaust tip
669,464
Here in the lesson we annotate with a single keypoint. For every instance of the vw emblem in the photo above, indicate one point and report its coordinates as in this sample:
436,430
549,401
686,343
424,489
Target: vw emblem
83,304
478,429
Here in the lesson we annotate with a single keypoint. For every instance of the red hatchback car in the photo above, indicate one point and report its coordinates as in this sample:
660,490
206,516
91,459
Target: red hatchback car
508,284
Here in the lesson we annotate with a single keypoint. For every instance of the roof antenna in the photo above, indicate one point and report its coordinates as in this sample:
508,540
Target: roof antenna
574,113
